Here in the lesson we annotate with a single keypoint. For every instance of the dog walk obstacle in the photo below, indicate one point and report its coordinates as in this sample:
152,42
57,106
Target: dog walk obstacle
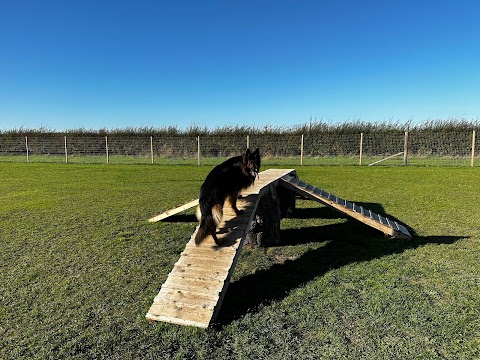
194,290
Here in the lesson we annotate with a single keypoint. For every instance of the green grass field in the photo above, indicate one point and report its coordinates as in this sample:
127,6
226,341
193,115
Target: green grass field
413,160
80,267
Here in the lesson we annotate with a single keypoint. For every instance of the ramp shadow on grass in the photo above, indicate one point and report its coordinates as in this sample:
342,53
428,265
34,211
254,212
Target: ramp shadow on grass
346,242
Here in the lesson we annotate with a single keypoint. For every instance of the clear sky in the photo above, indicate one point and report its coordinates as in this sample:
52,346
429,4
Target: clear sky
115,64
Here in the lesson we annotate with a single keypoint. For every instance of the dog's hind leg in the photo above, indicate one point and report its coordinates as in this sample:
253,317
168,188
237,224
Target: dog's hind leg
233,203
217,214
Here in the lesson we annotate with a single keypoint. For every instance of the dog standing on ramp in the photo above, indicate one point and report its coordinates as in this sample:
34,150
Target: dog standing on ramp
225,181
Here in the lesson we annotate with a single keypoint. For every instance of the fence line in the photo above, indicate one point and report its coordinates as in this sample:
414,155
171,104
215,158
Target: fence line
457,148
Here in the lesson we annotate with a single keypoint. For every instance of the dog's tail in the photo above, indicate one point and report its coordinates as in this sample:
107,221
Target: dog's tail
209,218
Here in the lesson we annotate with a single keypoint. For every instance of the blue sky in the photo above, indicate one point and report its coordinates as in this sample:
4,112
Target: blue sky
116,64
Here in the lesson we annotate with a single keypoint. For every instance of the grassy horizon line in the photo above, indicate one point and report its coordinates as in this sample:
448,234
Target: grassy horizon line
353,126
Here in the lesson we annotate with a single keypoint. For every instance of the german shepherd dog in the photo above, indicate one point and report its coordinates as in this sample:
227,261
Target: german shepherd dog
225,181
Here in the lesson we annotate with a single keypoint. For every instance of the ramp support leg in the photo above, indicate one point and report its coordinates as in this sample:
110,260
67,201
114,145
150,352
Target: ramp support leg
277,203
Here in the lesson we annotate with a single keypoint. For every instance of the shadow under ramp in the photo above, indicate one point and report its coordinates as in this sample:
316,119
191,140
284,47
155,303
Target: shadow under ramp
345,243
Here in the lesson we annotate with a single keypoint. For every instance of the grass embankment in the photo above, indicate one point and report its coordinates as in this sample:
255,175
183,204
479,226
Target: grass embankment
80,267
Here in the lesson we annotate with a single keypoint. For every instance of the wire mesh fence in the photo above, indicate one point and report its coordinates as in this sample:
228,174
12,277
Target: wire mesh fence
424,148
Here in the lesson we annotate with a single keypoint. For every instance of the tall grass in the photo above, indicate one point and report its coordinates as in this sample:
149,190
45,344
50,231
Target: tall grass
347,127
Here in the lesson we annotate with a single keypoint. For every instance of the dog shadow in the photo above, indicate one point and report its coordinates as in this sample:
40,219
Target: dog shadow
347,242
181,218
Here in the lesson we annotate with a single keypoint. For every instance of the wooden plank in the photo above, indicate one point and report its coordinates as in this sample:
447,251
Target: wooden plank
182,315
174,211
387,158
200,271
199,262
197,273
200,258
219,253
194,285
185,296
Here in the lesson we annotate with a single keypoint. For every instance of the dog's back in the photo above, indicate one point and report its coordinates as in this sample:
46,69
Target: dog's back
225,181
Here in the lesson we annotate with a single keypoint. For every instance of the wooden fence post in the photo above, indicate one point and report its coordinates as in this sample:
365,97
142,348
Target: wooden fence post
361,149
151,147
301,151
198,150
26,147
106,149
473,149
66,153
248,142
405,149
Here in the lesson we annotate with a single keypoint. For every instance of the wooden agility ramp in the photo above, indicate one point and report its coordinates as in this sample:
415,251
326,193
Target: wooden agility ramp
194,290
387,226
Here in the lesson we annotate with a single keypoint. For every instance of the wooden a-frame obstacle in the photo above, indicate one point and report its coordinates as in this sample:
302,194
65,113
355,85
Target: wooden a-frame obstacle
194,290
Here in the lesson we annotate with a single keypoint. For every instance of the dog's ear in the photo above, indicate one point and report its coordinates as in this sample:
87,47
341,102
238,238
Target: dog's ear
247,152
257,151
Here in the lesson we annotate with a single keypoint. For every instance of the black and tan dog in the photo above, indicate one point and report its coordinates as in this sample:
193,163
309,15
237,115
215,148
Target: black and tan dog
225,181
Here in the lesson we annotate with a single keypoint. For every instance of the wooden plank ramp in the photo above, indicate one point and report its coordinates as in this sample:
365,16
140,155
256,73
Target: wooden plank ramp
387,226
174,211
194,290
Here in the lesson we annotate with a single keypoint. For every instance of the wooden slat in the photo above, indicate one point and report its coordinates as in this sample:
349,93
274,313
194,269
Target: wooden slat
200,271
213,260
199,262
185,296
202,286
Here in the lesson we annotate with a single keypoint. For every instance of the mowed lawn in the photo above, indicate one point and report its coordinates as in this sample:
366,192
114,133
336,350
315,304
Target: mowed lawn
80,266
